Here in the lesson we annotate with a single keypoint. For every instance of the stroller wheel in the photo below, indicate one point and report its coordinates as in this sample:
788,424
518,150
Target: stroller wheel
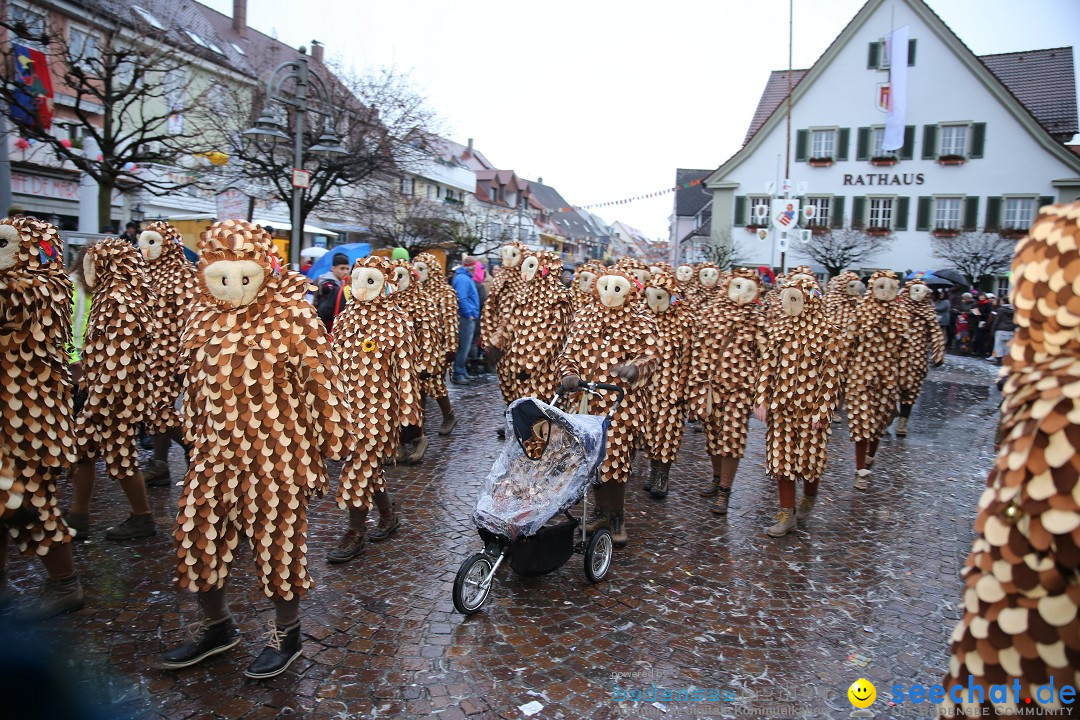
598,555
471,586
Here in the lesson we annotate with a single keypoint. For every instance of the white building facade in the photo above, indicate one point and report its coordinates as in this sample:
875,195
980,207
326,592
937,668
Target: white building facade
975,156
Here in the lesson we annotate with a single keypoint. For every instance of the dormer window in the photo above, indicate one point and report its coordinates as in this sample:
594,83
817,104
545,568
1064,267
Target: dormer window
148,17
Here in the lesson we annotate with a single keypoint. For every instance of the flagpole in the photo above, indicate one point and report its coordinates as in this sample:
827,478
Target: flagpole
787,156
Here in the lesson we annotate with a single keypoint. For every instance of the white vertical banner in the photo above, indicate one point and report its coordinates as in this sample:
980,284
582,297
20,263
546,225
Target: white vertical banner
896,45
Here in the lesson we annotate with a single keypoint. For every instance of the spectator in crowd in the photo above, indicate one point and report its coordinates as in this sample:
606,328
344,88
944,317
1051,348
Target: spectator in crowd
1003,328
328,285
131,233
468,312
943,308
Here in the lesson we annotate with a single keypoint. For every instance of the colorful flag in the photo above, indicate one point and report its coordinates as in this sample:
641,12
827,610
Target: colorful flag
33,106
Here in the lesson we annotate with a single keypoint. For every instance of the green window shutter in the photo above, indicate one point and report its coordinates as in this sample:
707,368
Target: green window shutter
874,54
908,151
978,139
801,137
862,144
922,213
929,142
910,52
740,210
1045,200
858,212
993,213
843,139
837,211
903,209
971,212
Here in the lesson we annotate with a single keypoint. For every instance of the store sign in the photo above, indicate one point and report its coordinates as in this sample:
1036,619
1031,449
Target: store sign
48,187
880,179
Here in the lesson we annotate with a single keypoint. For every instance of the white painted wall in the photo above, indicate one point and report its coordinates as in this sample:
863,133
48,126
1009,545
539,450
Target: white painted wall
941,90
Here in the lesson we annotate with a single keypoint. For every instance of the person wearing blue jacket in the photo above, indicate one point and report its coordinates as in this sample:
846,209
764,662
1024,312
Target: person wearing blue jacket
468,312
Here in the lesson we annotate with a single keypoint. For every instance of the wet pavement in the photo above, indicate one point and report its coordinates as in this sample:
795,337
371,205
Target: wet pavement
708,606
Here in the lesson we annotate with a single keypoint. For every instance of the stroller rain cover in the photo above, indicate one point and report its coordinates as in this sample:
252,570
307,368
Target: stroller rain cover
546,465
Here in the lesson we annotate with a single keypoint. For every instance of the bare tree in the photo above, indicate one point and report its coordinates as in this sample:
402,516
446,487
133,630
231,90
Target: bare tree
399,220
479,229
842,248
977,255
725,251
135,98
384,125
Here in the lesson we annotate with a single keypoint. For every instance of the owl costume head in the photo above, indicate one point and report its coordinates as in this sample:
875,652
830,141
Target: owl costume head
29,246
541,266
743,287
616,289
708,275
883,287
636,268
239,264
160,242
662,292
428,266
370,282
112,262
917,292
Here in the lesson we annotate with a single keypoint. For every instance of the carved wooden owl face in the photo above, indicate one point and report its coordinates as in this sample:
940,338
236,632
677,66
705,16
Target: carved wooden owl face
684,273
422,270
511,256
151,244
742,291
855,288
792,301
585,281
657,299
613,290
918,292
804,276
9,246
654,269
529,266
367,283
234,282
709,277
89,272
643,276
885,289
402,278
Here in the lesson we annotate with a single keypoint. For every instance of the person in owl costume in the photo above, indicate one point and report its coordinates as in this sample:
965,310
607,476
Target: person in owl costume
1021,626
687,278
583,286
176,291
528,344
431,277
878,337
667,388
121,369
770,304
636,268
842,298
798,388
612,341
431,351
706,286
374,342
723,382
264,410
38,441
497,307
655,268
925,338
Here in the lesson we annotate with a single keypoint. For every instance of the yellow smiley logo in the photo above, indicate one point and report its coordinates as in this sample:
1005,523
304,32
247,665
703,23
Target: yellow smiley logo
862,693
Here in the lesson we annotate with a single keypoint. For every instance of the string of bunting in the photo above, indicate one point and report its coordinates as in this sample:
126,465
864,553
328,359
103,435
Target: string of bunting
646,196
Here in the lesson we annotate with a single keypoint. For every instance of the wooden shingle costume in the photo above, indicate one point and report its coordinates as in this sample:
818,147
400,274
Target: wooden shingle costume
38,440
612,341
176,290
686,278
723,382
264,411
531,338
705,285
498,305
121,369
925,339
668,385
1022,579
635,267
842,298
582,289
430,343
878,336
431,276
374,342
798,389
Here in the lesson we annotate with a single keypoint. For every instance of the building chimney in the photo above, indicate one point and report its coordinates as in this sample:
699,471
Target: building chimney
540,180
317,51
469,150
239,17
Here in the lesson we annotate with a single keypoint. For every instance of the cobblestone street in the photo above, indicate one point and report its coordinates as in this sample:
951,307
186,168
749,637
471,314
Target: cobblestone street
869,587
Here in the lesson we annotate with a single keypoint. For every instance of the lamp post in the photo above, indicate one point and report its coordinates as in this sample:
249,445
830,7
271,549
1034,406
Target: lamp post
309,94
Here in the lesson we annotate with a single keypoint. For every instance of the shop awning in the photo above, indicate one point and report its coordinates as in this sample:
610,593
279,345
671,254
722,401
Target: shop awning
286,227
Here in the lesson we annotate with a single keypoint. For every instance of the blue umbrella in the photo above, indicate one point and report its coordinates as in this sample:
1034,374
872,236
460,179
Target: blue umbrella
351,250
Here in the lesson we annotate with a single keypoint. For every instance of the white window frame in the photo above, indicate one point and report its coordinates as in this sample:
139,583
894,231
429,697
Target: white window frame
871,200
963,151
408,186
87,35
883,60
877,139
829,133
753,201
27,10
820,219
943,219
1018,221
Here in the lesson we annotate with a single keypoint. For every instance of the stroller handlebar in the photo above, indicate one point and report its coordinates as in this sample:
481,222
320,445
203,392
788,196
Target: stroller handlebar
597,389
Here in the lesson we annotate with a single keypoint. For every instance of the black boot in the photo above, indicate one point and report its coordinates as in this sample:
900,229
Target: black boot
351,545
204,639
135,527
660,487
157,474
57,597
282,647
654,467
80,523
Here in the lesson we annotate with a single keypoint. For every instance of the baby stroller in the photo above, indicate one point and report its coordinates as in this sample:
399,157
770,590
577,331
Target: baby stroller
546,466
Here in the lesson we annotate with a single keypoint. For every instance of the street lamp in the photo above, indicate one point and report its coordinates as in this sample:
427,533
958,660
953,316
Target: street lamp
268,129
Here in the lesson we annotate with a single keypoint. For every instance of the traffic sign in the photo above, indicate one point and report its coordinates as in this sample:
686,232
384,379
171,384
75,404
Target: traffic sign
301,178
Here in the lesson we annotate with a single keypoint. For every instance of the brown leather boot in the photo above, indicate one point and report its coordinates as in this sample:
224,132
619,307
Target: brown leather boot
617,498
388,517
601,514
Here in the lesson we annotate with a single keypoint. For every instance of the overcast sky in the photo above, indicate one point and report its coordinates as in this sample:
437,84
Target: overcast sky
605,98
